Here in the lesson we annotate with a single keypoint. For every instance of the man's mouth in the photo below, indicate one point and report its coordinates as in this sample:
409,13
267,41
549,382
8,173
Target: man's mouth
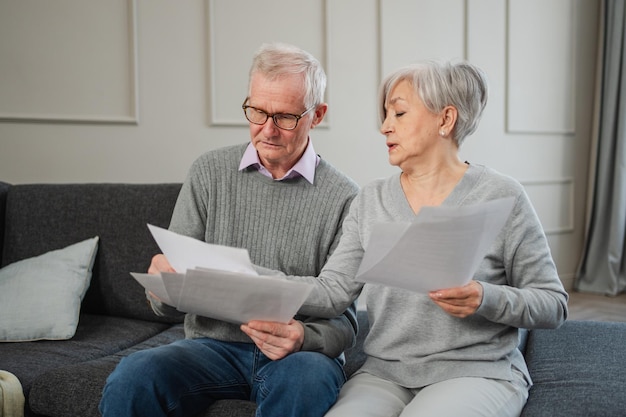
270,144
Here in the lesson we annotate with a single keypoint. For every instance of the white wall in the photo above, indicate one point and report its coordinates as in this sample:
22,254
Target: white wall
182,109
135,90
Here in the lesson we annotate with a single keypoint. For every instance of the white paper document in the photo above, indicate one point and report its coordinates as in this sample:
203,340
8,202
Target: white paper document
240,298
184,252
442,248
154,283
220,282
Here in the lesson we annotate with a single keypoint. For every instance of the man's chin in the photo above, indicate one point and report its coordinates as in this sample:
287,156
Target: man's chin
270,152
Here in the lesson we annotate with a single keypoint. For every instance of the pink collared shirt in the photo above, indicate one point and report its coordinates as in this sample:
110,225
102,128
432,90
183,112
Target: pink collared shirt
305,167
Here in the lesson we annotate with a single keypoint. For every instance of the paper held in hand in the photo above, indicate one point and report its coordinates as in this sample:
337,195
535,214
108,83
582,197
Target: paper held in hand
442,248
220,282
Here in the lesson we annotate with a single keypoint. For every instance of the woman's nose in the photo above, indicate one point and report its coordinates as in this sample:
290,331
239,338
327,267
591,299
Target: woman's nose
385,127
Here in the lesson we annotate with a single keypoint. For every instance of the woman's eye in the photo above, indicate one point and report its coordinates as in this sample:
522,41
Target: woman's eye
400,114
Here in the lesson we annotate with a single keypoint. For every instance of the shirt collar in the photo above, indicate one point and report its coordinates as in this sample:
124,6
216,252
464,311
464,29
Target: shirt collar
305,167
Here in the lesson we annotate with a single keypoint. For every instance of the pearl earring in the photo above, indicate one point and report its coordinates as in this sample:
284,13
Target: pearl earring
442,133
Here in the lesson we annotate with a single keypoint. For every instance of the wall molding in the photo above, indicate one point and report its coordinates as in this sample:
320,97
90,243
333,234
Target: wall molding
512,127
216,120
568,184
446,24
133,94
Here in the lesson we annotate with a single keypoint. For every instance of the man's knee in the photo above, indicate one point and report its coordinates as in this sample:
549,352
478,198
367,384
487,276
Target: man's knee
307,369
133,370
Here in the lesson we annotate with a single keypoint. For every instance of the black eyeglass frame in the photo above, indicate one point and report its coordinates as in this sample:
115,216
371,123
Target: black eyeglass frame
273,116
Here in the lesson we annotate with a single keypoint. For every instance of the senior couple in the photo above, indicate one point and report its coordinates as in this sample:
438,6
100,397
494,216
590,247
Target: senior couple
301,218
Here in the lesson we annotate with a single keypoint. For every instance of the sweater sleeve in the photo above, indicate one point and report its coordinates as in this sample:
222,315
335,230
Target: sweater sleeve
331,336
532,295
190,212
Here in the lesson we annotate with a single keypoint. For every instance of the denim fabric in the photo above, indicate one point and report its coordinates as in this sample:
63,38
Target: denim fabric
187,376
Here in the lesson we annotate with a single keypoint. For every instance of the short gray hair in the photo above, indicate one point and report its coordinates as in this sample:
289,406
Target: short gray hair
276,59
461,85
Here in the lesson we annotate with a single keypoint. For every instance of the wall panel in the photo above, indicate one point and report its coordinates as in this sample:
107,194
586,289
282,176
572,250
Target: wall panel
553,200
540,67
232,42
421,29
68,61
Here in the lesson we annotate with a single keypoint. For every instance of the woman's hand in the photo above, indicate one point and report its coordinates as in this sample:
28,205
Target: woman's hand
459,301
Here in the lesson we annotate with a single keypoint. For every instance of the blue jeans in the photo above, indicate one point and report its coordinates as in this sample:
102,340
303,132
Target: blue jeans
187,376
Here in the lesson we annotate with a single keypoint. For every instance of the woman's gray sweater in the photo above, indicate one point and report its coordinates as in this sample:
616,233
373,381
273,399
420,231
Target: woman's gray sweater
412,341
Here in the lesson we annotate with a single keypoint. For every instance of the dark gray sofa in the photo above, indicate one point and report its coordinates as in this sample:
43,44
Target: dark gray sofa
578,370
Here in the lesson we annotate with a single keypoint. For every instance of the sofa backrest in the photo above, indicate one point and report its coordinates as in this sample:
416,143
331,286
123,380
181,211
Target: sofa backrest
44,217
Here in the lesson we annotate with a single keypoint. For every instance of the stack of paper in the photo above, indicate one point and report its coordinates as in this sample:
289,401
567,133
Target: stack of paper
220,282
442,248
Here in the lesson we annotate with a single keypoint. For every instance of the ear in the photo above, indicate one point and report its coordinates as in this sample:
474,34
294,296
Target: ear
448,118
319,114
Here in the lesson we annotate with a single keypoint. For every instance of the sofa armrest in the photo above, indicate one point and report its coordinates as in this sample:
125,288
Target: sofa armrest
4,189
578,369
11,396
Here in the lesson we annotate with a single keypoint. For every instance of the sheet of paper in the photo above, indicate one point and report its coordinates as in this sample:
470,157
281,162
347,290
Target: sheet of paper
184,252
442,248
239,298
220,282
154,283
173,282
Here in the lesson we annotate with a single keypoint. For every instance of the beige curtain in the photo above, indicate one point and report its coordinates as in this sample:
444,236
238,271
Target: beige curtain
602,268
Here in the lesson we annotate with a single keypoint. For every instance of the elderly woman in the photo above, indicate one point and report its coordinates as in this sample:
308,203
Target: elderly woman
452,352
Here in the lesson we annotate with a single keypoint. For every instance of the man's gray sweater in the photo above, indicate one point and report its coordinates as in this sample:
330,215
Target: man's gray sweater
291,226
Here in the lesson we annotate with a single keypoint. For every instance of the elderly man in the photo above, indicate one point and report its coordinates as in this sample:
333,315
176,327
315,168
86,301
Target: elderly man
277,198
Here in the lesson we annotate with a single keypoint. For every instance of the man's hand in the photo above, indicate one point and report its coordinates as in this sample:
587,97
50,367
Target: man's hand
275,340
459,301
160,264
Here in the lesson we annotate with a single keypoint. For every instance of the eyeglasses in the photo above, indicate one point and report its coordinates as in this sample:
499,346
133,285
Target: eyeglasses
284,121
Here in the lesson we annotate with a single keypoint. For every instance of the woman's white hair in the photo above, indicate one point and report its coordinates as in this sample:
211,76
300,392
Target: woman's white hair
461,85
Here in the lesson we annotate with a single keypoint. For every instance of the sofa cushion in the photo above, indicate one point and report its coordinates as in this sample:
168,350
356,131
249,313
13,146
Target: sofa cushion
40,297
577,370
43,217
53,393
86,380
96,337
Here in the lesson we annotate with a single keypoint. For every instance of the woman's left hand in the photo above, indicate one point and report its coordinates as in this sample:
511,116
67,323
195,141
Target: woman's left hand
459,301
